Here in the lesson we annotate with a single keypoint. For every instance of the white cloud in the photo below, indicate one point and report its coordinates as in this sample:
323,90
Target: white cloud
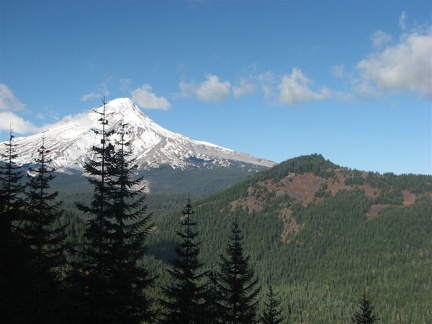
8,119
8,101
211,89
145,98
187,89
295,89
245,87
379,38
405,67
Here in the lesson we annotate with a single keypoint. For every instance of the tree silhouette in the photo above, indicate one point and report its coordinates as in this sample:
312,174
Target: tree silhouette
14,254
184,298
272,315
127,228
42,232
90,268
236,282
365,315
109,268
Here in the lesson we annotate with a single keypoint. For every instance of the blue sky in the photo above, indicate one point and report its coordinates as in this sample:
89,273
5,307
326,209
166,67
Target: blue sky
351,80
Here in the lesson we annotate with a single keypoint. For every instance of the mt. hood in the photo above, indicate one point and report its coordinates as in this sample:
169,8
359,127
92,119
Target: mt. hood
70,142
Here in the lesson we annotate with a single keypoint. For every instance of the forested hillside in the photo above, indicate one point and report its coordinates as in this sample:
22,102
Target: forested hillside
316,236
321,235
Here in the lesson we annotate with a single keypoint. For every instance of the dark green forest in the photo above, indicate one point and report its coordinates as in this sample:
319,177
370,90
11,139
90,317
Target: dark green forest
311,239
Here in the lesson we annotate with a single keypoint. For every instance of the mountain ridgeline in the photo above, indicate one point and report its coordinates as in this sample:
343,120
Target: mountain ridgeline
321,235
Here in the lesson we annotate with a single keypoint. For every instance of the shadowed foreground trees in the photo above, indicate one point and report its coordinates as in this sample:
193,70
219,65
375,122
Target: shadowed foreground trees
184,298
236,282
14,254
47,242
112,282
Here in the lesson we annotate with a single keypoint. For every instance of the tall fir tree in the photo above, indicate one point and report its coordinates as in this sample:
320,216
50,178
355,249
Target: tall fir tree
11,204
14,254
128,226
184,298
42,232
272,313
236,282
109,270
89,270
365,314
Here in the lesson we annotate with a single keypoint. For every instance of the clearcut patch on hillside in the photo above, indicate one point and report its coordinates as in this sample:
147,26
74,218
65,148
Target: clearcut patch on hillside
306,188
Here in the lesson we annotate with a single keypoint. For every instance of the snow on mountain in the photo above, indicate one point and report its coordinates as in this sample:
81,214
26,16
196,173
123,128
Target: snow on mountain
70,142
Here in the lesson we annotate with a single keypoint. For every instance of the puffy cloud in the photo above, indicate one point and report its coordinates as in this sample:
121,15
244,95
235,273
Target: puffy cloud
8,119
405,67
295,89
379,38
145,98
243,88
211,89
8,101
187,89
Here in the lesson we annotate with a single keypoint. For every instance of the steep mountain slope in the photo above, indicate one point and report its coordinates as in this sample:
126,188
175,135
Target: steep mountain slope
71,139
321,235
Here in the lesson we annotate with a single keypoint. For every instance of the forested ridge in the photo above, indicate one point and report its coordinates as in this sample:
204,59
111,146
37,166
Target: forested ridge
311,237
321,248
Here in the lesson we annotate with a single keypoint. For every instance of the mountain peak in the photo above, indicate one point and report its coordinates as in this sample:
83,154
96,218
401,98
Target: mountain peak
71,140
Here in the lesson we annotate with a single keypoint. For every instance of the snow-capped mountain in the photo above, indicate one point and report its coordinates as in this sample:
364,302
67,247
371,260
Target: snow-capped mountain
70,142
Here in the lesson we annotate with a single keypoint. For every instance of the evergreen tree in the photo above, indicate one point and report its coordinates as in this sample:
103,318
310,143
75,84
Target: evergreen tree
14,255
89,273
10,185
127,228
11,204
365,315
184,301
109,272
236,282
46,240
272,315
